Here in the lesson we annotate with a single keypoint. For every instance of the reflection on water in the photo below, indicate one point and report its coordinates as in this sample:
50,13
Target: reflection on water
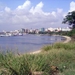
26,43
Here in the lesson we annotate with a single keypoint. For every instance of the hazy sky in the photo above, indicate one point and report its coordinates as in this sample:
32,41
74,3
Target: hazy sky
17,14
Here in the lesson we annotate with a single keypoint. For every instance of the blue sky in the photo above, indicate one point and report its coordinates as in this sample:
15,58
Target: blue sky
52,4
17,14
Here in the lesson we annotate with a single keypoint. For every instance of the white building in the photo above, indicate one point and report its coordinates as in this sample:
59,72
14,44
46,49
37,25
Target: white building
50,29
66,29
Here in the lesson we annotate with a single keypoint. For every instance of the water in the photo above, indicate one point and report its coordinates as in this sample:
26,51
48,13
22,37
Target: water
26,43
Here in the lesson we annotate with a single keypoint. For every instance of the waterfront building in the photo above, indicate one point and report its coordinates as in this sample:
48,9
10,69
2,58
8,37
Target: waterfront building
42,29
23,30
66,29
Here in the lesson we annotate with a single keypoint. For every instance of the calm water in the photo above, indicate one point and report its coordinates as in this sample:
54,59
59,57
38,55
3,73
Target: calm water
26,43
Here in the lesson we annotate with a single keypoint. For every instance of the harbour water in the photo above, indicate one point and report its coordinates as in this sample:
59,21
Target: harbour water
26,43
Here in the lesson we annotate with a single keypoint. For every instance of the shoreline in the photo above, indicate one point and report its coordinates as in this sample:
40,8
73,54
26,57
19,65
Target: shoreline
35,52
68,39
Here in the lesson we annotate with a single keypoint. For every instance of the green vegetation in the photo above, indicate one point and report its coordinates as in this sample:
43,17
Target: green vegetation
64,33
60,55
59,46
70,19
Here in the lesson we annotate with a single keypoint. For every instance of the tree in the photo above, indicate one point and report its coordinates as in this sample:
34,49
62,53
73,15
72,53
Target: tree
70,19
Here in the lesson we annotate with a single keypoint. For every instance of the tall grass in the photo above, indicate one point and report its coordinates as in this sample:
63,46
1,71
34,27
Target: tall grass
15,65
60,55
59,46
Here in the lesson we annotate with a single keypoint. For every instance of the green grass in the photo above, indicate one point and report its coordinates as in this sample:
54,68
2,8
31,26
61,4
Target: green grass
65,46
60,55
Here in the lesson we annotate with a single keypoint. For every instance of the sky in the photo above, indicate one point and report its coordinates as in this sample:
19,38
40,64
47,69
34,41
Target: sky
35,14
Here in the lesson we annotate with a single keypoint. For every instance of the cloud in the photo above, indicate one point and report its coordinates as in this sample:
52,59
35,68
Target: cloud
37,8
27,16
7,9
59,10
72,6
26,5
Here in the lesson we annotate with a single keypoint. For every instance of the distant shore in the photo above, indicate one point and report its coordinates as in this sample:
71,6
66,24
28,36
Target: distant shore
68,39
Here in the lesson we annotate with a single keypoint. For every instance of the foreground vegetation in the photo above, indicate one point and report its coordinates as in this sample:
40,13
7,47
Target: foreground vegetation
59,54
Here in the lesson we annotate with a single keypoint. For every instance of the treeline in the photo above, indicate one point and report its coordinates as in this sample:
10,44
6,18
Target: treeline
66,33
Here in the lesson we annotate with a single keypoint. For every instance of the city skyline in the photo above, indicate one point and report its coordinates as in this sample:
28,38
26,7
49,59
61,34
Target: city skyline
17,14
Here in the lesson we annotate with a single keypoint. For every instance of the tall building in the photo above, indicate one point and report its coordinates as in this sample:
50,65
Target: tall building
23,30
42,29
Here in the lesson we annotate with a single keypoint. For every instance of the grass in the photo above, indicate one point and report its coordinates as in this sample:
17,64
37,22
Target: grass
59,54
65,46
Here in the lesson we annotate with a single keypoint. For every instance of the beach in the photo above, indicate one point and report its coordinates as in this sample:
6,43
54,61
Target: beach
68,39
35,52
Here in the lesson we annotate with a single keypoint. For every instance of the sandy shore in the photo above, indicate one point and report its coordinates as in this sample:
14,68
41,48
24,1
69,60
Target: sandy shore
68,39
35,52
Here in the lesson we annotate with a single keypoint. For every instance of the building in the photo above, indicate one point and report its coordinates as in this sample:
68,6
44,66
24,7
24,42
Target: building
42,30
